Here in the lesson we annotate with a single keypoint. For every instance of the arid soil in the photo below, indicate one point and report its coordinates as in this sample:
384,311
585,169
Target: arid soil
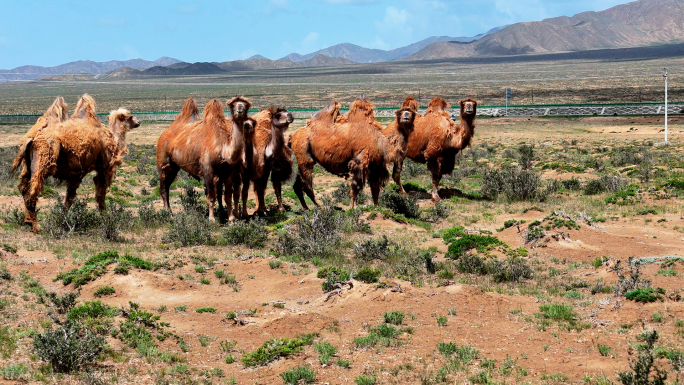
500,320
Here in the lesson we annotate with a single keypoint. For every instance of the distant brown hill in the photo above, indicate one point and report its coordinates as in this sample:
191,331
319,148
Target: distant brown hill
633,24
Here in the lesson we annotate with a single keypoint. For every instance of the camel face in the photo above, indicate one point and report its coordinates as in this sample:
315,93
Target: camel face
248,126
282,118
468,106
239,107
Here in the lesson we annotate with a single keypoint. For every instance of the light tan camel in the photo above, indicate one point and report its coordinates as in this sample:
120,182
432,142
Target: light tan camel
70,149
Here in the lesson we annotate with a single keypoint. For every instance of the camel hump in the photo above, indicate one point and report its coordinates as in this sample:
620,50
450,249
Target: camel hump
361,108
437,104
410,103
85,108
214,110
189,112
57,112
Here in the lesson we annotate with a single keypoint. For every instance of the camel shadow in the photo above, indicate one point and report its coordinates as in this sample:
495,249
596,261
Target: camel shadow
446,193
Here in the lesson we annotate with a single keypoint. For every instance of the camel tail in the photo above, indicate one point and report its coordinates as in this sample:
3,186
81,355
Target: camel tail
24,149
214,110
189,113
85,108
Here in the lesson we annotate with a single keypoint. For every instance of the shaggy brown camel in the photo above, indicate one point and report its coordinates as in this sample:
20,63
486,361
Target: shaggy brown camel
355,148
267,155
70,149
211,148
436,140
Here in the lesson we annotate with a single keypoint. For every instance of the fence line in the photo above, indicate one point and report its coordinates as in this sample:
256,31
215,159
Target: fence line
609,109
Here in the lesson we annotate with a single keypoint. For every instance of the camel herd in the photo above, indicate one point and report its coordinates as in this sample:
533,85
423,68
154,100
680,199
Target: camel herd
230,153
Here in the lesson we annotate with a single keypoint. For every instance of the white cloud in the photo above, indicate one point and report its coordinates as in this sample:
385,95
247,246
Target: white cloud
130,52
310,39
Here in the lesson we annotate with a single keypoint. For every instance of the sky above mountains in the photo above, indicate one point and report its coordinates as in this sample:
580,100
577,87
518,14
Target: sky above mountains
49,33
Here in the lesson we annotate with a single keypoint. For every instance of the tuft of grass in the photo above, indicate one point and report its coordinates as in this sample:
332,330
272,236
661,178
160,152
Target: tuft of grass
252,233
394,318
442,321
275,348
326,351
604,350
97,266
299,375
274,264
471,241
104,290
180,309
206,310
368,275
644,295
8,342
366,380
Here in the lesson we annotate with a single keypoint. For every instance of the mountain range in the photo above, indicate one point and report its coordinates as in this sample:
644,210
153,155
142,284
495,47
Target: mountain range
636,24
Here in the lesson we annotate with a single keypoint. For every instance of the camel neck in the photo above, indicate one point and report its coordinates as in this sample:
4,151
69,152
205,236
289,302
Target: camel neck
468,128
277,140
119,134
237,140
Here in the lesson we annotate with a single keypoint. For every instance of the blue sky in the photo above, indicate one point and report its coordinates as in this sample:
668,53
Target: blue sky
54,32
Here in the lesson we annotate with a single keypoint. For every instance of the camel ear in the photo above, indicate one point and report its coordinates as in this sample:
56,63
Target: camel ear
460,103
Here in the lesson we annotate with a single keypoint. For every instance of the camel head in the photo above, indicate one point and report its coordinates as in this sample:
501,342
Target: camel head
239,107
468,108
122,121
248,127
411,103
280,118
405,117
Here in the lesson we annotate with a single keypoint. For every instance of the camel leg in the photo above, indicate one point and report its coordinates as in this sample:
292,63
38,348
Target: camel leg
396,175
435,167
219,195
37,183
304,183
260,192
277,189
232,191
210,183
100,190
167,174
375,185
298,188
357,181
72,186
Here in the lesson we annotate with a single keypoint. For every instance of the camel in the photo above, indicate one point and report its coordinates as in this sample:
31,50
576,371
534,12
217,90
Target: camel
267,155
353,147
211,148
436,140
69,149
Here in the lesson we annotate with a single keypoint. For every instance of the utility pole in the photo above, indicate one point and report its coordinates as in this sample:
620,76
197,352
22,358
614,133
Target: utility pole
508,95
665,76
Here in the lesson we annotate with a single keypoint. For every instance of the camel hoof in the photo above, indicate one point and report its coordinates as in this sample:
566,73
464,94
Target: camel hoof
436,198
231,218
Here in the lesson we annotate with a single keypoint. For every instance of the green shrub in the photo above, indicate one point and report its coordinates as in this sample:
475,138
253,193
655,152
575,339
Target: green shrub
644,295
332,275
62,303
450,235
366,380
97,266
61,222
644,369
367,275
69,347
398,203
373,249
623,197
604,350
394,318
464,354
206,310
274,264
250,233
326,351
273,349
299,375
316,234
114,219
470,241
515,184
91,309
189,229
8,342
15,373
104,290
563,314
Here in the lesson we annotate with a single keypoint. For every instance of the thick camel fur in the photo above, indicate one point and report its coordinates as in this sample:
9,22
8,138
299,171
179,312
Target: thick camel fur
70,149
436,140
355,149
211,149
397,134
267,156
